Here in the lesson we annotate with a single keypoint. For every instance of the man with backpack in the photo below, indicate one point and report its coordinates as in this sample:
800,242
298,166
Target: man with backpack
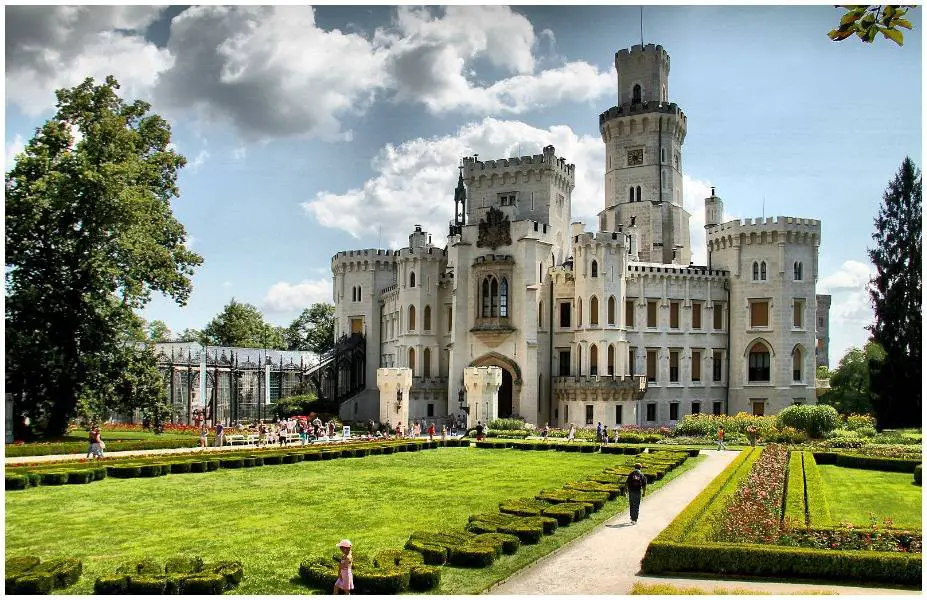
637,487
479,431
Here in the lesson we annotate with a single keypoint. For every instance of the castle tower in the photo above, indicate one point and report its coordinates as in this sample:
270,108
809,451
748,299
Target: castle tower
714,211
643,139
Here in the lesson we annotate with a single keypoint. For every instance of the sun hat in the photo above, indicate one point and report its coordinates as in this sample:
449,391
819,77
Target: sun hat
638,466
344,544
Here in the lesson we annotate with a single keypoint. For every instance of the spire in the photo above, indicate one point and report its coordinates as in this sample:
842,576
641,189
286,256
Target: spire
460,200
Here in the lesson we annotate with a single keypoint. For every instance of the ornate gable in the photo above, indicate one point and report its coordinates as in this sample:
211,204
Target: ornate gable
494,230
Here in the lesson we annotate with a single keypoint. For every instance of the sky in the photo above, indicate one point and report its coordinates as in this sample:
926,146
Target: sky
311,130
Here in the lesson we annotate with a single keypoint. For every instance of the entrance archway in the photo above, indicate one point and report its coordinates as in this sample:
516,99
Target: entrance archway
505,395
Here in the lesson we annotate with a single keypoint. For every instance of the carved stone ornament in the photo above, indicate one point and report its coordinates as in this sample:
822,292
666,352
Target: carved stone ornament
494,230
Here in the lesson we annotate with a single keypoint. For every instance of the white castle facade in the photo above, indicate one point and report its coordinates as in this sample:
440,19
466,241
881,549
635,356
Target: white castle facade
614,325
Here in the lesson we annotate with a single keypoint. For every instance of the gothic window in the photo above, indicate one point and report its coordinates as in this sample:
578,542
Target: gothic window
579,312
354,294
611,359
638,193
796,271
540,314
358,293
426,362
504,298
412,360
756,271
426,322
594,359
758,363
595,269
631,194
412,279
763,271
636,94
594,311
611,310
411,318
796,364
663,155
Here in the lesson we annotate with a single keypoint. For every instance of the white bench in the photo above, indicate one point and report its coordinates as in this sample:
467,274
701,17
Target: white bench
231,440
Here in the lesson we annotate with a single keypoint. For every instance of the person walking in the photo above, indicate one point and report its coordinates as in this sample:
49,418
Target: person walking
220,435
262,434
479,431
546,430
444,432
721,445
96,444
345,582
571,433
637,488
598,432
605,435
204,433
431,432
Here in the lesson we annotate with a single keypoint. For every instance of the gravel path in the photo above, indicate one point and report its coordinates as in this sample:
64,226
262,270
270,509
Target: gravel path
607,560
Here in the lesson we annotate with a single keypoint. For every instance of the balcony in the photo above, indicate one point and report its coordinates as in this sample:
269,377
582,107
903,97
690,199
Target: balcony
603,387
492,330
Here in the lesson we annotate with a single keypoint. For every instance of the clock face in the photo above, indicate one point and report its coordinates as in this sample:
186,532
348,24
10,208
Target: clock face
635,157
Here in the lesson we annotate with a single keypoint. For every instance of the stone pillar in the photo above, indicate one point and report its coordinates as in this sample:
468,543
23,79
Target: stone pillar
482,385
389,381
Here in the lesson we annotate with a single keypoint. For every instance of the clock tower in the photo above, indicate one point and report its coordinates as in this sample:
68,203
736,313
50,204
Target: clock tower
643,139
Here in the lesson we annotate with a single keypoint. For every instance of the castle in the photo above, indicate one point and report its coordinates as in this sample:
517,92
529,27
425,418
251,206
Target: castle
614,325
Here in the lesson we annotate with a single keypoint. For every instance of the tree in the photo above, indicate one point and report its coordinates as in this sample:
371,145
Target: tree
866,22
89,235
313,330
242,325
190,335
895,292
158,331
849,391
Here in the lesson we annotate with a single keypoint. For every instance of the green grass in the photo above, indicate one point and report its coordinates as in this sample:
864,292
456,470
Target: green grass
273,517
853,493
666,589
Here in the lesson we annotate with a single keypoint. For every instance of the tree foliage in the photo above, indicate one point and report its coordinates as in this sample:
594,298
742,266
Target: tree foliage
89,236
850,384
896,300
866,22
313,330
158,331
242,325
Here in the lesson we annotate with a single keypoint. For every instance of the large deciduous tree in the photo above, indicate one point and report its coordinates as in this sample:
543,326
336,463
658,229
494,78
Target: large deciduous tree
89,235
868,21
896,300
849,391
313,330
242,325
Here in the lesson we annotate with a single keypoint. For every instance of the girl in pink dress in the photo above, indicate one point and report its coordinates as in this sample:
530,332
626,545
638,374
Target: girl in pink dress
345,581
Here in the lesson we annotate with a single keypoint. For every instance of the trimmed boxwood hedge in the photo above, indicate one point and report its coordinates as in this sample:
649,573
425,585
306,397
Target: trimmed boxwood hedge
874,463
179,467
110,585
197,466
150,470
82,476
795,490
180,574
917,475
16,482
204,583
54,478
28,575
815,496
231,463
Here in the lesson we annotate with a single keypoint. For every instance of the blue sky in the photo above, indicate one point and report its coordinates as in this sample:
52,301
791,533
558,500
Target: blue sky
310,131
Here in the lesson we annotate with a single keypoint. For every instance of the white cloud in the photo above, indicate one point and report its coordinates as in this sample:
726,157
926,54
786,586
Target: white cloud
851,276
240,153
415,180
190,242
199,161
53,47
12,149
287,297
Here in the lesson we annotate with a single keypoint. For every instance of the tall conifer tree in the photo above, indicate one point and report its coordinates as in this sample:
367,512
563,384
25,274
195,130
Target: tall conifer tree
896,299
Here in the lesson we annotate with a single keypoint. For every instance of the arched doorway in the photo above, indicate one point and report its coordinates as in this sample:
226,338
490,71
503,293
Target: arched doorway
505,395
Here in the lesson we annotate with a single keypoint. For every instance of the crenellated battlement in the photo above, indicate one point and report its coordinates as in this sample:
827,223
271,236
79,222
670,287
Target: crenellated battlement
628,110
587,238
427,253
475,169
561,274
769,224
638,49
661,270
362,260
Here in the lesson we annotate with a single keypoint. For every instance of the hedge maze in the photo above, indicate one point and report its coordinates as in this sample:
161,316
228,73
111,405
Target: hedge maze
29,575
487,536
804,544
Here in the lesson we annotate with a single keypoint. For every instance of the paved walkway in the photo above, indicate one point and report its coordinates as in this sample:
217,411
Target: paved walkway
607,560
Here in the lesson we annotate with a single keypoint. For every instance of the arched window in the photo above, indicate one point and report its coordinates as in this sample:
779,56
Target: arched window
412,360
412,279
579,359
631,194
796,270
664,93
540,314
593,311
638,193
486,298
354,294
358,293
636,94
663,155
595,269
579,312
411,318
763,271
611,359
611,310
426,324
426,362
594,359
756,271
450,319
758,363
504,298
796,364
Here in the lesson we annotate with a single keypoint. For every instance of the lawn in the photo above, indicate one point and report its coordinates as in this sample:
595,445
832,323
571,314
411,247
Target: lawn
272,517
853,493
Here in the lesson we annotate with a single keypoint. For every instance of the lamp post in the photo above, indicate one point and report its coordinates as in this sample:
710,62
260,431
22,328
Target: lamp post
462,400
398,399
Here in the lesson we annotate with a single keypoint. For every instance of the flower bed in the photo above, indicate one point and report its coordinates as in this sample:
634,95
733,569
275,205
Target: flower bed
755,510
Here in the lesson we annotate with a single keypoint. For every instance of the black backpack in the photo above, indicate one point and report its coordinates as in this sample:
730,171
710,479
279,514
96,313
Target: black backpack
636,481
